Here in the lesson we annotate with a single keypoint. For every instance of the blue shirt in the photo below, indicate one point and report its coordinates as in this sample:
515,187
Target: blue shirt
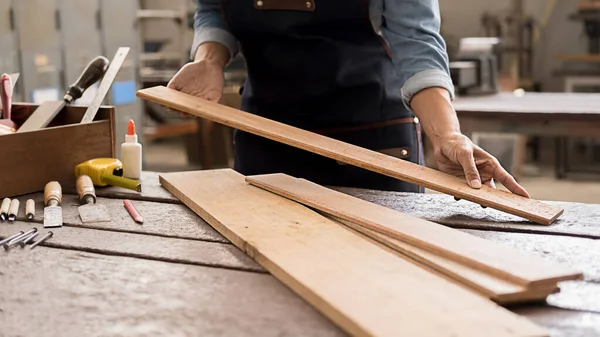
411,29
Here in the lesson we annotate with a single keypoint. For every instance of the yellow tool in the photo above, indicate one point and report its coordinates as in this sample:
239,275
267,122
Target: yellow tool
106,171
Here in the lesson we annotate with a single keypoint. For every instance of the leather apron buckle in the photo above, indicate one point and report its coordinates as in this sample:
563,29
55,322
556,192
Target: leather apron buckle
290,5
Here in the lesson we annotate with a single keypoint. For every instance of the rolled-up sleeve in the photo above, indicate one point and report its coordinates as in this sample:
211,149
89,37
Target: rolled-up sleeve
411,28
210,26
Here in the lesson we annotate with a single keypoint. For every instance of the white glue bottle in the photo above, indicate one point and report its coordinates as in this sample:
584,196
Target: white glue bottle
131,154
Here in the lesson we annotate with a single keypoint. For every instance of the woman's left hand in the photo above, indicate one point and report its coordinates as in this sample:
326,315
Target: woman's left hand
457,155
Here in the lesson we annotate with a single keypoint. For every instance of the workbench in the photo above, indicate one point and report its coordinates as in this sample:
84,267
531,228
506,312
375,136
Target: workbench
555,114
174,275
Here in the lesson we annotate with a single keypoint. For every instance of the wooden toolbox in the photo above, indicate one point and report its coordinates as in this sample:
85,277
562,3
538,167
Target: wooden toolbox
31,159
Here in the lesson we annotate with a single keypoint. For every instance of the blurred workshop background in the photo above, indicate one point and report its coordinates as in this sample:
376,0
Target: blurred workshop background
510,47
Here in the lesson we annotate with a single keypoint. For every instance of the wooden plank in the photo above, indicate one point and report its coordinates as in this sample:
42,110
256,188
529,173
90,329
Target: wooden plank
168,220
494,288
364,289
579,220
530,209
141,246
499,260
56,292
593,58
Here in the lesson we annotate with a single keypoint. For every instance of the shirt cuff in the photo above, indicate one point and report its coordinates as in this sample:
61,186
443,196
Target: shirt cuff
211,34
433,78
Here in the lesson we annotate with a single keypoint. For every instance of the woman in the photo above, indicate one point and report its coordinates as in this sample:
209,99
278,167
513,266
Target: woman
371,73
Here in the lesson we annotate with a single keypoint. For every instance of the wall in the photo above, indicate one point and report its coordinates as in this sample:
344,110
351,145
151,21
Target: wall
165,29
461,18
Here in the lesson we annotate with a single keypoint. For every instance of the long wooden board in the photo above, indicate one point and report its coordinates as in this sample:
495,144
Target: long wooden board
364,289
510,264
530,209
500,291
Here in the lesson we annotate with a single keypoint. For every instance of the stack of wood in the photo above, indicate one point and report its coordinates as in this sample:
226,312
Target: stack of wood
372,270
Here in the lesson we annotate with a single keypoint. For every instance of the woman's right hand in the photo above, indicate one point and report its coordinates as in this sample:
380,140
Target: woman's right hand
204,79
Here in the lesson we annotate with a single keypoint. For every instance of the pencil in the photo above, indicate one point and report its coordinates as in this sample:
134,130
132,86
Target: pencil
135,214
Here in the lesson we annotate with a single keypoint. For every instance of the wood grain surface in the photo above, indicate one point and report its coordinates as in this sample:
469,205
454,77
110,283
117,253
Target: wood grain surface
141,246
579,220
161,219
532,210
500,291
58,150
295,244
499,260
55,292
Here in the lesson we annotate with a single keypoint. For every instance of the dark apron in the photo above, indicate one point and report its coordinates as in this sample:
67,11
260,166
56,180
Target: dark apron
319,65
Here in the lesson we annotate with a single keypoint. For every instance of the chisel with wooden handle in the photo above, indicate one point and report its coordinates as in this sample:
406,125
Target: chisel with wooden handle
52,200
45,113
90,211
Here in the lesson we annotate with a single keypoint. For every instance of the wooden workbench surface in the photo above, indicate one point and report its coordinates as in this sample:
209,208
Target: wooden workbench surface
175,275
549,105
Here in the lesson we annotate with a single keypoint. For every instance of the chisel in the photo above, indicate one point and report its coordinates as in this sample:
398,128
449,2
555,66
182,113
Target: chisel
52,200
4,209
90,211
45,113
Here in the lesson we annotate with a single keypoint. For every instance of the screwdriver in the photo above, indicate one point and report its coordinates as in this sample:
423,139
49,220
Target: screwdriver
45,113
6,92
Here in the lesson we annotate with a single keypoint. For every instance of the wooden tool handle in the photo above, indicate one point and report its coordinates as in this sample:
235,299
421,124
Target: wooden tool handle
6,92
92,73
14,207
52,191
85,188
30,208
5,205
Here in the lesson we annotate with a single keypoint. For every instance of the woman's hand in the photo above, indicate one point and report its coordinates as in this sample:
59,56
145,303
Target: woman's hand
202,79
454,152
457,155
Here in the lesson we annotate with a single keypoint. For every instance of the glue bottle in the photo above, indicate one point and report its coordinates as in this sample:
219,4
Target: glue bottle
131,154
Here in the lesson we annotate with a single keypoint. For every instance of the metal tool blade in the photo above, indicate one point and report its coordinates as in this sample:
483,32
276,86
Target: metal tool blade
14,77
42,116
105,84
53,216
93,213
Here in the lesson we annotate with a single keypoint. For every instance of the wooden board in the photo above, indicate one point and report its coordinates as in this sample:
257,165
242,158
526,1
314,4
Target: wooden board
57,148
526,270
494,288
579,220
533,210
364,289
